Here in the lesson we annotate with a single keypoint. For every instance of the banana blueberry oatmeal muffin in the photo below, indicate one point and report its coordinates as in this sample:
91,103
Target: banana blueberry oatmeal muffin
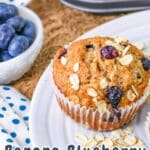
101,82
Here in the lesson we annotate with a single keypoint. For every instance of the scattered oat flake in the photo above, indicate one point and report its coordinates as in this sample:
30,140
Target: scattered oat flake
63,60
120,39
103,83
90,143
130,95
98,137
116,134
107,142
121,143
126,60
102,106
114,44
91,92
74,80
126,50
76,67
130,140
119,138
111,75
129,130
135,91
95,100
80,138
139,143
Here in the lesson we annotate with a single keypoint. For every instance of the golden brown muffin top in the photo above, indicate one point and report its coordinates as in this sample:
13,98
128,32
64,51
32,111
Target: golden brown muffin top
101,71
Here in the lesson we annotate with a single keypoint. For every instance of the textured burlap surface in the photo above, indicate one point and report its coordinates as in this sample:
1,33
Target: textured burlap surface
61,25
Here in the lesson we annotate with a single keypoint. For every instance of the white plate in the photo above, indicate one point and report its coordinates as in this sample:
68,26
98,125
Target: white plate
49,126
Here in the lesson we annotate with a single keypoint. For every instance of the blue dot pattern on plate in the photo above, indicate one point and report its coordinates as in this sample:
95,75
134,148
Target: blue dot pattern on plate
23,99
15,121
1,116
27,141
8,97
15,107
22,107
6,88
13,134
26,118
4,109
4,131
9,140
11,104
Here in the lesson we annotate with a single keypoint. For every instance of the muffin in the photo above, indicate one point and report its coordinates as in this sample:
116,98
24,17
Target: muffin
101,82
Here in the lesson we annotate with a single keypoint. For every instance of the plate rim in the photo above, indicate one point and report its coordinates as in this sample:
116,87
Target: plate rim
103,10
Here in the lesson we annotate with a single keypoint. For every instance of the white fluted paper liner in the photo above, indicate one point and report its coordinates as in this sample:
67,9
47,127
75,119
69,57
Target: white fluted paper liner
93,118
147,127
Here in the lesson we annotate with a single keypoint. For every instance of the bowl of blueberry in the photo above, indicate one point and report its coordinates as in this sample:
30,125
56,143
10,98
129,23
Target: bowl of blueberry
21,39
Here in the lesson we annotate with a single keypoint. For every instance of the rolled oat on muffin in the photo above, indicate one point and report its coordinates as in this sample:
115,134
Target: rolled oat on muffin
101,82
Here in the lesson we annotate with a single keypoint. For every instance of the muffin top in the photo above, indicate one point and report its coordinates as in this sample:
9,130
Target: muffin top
101,71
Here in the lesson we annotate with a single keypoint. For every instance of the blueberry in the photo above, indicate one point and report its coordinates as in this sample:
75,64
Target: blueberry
4,56
29,30
145,63
114,95
109,52
0,58
7,11
17,23
18,45
6,34
31,40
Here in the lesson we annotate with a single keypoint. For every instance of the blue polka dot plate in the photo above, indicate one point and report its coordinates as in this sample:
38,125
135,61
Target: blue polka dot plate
49,126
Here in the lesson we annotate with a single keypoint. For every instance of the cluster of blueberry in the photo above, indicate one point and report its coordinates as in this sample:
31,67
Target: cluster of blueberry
16,33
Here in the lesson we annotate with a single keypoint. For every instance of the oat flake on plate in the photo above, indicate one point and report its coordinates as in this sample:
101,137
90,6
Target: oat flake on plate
119,138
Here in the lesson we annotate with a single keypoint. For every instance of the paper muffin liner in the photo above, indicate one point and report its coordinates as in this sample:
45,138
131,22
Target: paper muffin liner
94,118
147,127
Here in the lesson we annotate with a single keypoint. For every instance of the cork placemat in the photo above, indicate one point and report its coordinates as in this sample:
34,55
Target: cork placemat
61,25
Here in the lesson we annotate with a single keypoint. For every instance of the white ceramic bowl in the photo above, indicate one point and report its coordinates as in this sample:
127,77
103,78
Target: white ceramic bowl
14,68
